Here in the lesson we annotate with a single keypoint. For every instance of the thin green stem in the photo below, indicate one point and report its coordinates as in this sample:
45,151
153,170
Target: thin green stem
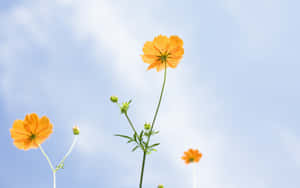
153,122
68,153
50,164
130,122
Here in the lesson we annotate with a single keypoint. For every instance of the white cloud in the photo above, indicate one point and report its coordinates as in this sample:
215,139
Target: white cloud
187,116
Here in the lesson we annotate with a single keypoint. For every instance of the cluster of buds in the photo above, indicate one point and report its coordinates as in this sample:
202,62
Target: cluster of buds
125,105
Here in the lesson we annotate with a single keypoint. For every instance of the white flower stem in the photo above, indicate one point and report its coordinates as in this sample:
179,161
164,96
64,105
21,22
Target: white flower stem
194,176
54,170
54,179
50,164
69,151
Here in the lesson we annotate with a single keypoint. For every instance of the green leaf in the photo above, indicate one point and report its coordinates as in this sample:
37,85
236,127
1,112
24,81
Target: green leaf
141,135
123,136
154,145
136,147
129,141
134,137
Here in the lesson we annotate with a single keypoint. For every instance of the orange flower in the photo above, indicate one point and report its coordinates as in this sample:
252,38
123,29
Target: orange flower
163,50
31,132
191,156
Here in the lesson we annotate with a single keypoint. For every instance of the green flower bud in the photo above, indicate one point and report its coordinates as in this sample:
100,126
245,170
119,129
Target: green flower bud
124,107
147,126
114,99
76,130
160,186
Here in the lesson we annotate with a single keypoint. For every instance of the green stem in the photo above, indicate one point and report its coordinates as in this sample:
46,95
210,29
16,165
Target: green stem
153,122
68,153
131,124
50,164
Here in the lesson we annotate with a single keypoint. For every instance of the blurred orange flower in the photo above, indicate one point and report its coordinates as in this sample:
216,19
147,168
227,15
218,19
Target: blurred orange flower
31,132
191,156
163,50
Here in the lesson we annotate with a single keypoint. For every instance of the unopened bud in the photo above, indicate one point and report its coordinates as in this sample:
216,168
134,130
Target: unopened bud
124,107
160,186
147,126
76,130
114,99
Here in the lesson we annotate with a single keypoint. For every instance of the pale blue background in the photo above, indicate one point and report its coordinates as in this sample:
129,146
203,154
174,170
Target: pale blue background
234,96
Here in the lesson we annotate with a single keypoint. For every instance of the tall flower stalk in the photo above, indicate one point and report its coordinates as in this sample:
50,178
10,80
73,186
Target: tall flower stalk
152,126
161,53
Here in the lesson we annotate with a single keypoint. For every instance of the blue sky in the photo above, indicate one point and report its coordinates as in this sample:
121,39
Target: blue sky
234,96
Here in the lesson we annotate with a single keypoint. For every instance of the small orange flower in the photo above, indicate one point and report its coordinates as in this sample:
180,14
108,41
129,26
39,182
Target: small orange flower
163,50
191,156
31,132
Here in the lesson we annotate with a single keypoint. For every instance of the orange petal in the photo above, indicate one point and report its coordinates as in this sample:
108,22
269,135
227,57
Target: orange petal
15,134
175,42
160,67
173,64
153,65
44,124
32,120
28,145
161,42
149,49
177,52
149,58
18,125
19,145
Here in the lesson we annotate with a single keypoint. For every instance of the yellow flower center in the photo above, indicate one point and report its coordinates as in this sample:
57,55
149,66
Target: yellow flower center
32,136
163,57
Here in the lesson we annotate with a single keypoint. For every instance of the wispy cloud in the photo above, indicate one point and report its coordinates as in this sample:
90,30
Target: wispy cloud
67,57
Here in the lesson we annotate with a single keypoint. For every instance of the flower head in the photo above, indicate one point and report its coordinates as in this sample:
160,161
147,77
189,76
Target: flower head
31,131
191,156
163,50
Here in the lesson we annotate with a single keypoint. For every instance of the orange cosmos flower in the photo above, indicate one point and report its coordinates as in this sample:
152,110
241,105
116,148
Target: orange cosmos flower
163,50
191,156
31,132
